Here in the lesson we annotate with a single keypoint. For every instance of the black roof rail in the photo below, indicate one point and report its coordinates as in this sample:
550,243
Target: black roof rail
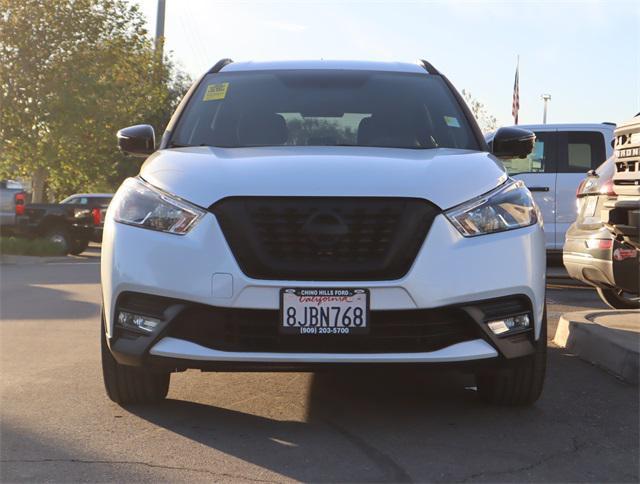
609,123
219,65
427,66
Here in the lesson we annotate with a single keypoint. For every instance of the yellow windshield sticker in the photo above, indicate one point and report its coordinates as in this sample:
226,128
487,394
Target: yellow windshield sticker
215,92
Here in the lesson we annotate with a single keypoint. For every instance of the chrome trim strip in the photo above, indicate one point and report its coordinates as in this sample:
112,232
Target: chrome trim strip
469,350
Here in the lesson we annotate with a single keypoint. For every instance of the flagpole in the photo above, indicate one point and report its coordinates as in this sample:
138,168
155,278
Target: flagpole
515,103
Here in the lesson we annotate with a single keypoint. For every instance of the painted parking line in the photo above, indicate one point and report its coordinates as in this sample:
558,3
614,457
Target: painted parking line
72,263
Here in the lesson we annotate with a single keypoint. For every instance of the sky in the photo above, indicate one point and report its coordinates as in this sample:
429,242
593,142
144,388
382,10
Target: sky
585,54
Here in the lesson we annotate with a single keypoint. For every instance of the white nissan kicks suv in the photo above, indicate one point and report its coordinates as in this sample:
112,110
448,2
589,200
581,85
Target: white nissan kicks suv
306,215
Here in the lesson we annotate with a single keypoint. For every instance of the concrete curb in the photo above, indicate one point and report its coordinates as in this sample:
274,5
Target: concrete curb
609,339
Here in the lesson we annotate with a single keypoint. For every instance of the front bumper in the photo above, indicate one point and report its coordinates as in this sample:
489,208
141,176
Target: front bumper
199,269
468,350
188,332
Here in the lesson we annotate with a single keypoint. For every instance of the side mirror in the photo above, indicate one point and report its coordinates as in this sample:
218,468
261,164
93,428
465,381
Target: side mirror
138,140
512,143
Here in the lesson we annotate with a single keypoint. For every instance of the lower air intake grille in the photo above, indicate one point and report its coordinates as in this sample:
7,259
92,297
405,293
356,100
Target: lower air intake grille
256,330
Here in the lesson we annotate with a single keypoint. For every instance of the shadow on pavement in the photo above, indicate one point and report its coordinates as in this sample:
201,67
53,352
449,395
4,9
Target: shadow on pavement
45,303
49,291
405,426
30,458
321,448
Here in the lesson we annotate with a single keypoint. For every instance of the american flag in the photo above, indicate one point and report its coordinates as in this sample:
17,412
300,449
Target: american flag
515,105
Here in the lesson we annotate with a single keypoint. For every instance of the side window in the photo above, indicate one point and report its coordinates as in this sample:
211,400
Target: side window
580,151
540,160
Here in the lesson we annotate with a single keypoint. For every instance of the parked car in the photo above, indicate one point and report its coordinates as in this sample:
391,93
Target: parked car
97,204
12,201
589,245
297,216
69,226
563,153
593,252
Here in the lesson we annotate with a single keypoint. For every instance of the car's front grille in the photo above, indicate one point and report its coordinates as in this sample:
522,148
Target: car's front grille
252,330
325,238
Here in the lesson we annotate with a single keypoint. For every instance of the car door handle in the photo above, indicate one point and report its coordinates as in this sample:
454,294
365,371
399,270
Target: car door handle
538,189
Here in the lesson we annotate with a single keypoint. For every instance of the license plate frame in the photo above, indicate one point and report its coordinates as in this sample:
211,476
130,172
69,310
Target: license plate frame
325,298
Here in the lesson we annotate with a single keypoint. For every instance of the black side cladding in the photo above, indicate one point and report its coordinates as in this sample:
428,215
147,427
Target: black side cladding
325,238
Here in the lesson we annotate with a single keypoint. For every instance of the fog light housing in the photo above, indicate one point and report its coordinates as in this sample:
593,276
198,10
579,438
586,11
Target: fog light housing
137,322
510,325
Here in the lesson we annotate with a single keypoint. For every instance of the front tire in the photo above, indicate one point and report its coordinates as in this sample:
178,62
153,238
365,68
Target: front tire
128,384
520,383
616,299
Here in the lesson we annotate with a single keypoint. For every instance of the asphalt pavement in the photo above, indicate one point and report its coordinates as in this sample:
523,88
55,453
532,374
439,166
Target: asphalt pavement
57,424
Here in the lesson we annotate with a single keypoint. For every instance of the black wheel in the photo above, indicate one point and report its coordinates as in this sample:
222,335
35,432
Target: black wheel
618,299
78,246
129,384
60,237
521,382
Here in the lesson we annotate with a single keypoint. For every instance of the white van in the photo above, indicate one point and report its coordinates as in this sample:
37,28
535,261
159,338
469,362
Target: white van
562,156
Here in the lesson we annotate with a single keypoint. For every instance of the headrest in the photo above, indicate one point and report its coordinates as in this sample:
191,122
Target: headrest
262,129
365,131
387,130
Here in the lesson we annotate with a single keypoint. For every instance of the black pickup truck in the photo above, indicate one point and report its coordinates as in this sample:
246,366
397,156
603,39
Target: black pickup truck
70,226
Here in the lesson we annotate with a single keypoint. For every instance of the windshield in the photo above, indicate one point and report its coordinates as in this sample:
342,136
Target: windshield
323,108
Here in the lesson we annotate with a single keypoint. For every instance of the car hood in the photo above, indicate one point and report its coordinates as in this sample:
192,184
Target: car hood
204,175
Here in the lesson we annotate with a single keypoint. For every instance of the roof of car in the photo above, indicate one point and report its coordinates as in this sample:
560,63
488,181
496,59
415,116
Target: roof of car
324,64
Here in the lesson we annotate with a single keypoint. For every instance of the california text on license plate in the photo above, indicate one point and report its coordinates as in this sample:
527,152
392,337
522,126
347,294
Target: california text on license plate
324,311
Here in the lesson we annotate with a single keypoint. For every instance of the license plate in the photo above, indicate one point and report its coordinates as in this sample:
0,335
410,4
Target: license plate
324,311
590,206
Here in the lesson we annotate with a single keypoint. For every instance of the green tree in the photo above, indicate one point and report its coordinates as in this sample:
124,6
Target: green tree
72,73
486,121
305,131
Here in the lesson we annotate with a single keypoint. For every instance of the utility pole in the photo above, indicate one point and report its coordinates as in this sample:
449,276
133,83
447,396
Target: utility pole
546,98
160,28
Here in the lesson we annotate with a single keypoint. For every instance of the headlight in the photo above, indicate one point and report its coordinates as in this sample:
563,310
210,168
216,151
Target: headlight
138,203
508,207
